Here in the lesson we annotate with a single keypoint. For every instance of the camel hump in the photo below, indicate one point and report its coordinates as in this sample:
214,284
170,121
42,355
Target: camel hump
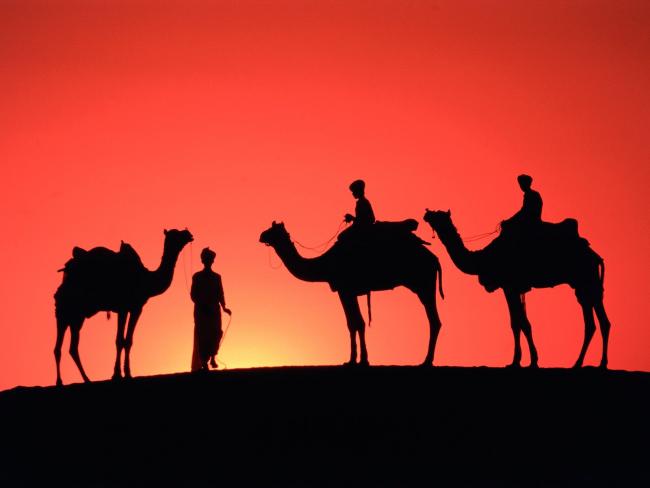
129,255
98,260
78,252
570,226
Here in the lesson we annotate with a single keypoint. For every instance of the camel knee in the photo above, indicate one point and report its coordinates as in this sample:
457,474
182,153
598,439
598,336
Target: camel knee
74,349
356,327
605,326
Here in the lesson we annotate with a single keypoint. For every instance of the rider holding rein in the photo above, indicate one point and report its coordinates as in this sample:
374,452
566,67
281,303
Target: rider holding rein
364,216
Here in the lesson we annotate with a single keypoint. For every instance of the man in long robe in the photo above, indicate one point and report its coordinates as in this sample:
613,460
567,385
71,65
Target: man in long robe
208,297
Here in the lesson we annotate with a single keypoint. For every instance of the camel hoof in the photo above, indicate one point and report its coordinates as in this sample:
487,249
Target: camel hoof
349,364
59,383
577,365
426,364
364,363
513,366
533,366
602,365
116,377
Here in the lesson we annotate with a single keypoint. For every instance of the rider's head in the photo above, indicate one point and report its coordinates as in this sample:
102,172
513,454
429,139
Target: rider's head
357,188
524,182
207,256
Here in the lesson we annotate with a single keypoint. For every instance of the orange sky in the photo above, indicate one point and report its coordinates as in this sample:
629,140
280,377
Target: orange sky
119,119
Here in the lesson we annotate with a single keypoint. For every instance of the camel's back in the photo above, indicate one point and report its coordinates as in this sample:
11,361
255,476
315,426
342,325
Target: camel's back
382,259
100,277
554,254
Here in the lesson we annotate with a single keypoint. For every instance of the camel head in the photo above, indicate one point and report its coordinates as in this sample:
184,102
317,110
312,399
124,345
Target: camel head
274,235
438,219
177,239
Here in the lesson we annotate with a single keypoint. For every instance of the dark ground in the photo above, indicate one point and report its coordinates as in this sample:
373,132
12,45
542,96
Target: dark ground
330,426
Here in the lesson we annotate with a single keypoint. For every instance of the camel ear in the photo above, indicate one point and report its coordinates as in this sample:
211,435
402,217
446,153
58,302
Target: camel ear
274,224
165,231
449,212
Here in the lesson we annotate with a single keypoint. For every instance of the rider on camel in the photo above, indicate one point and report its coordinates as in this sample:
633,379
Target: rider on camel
530,214
364,216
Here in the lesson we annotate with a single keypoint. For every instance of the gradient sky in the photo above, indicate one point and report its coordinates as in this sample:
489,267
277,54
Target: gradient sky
121,118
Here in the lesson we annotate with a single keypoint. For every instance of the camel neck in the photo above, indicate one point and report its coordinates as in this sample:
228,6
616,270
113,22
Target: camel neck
305,269
464,259
161,278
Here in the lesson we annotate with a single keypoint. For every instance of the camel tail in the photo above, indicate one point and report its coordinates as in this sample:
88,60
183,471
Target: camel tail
369,309
601,272
442,294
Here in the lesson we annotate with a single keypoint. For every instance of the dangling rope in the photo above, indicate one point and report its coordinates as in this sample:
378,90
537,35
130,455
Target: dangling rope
321,247
187,286
223,338
271,265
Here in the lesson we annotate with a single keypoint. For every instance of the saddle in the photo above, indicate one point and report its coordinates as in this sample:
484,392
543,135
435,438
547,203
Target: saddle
518,252
381,231
100,258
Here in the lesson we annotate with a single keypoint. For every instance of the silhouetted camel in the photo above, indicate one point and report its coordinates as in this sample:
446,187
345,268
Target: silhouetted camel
554,261
101,279
398,259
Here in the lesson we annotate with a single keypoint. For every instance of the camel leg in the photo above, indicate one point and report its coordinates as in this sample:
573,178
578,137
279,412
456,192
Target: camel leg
605,325
61,326
356,325
515,308
590,328
75,327
128,342
119,345
434,324
527,329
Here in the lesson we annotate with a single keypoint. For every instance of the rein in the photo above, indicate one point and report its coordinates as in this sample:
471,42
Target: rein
324,244
485,235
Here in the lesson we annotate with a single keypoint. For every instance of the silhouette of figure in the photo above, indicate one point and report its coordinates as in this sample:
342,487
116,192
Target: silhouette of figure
530,214
363,214
363,218
557,256
208,297
101,279
393,257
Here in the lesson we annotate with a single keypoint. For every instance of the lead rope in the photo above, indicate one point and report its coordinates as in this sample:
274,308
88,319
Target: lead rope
223,337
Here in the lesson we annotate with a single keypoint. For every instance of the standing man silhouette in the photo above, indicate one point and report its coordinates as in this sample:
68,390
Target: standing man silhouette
207,295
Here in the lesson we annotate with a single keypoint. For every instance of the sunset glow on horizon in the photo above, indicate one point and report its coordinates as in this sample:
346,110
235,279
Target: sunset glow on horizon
122,119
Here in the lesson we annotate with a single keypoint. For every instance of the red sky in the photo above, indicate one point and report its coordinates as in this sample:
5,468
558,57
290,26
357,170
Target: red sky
120,119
